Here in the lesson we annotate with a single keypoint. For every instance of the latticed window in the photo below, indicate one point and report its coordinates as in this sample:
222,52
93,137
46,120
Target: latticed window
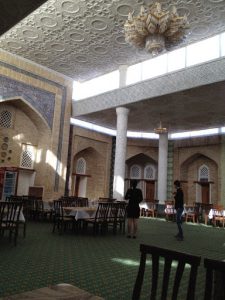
5,119
27,157
81,166
204,173
135,172
149,172
26,161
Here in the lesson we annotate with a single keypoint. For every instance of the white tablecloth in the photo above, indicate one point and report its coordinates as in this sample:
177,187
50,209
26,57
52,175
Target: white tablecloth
215,212
80,212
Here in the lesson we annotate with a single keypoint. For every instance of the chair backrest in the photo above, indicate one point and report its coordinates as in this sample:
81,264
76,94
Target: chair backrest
169,278
169,207
58,208
82,201
153,204
112,212
39,205
67,202
102,199
102,212
10,213
121,214
2,209
215,279
206,207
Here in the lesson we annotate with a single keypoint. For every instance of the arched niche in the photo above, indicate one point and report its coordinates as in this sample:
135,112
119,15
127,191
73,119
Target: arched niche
92,183
147,185
27,129
196,190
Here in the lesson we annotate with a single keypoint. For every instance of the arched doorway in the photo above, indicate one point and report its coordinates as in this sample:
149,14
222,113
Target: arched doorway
89,173
204,184
80,183
149,178
144,169
201,174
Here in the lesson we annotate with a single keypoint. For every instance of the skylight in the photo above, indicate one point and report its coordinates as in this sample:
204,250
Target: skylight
196,53
149,135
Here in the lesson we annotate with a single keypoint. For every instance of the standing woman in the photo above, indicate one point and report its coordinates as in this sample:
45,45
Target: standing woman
134,196
179,206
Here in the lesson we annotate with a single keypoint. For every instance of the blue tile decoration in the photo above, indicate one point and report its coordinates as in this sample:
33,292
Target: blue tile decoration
42,100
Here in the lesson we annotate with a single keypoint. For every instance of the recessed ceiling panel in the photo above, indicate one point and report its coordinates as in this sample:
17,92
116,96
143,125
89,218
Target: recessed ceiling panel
84,39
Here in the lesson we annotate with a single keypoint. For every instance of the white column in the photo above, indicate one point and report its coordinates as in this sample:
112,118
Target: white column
123,75
120,155
162,167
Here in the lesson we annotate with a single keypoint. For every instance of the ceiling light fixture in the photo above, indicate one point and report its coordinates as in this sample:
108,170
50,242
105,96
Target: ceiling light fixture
160,129
155,29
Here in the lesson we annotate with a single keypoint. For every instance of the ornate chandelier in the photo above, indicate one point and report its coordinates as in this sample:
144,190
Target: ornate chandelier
155,29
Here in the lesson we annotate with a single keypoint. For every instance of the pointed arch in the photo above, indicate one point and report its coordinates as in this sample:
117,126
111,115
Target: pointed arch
24,105
198,171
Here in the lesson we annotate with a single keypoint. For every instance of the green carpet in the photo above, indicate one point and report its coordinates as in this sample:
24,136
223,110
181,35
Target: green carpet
104,265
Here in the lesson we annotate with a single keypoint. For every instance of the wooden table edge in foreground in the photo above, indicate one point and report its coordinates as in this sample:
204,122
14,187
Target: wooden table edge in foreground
62,291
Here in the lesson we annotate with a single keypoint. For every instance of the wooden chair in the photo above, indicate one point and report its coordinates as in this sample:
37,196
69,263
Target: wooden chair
60,220
100,219
152,210
121,216
206,207
117,216
10,213
170,211
215,279
218,215
111,220
167,257
192,213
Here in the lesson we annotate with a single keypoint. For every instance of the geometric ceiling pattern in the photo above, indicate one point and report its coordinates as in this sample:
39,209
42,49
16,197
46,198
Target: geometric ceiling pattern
84,39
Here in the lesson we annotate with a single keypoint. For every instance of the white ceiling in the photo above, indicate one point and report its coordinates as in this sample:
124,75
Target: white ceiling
84,38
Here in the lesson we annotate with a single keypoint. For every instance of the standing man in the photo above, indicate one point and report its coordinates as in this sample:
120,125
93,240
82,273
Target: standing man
179,206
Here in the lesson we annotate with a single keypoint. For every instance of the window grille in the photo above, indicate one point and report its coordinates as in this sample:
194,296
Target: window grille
149,172
5,119
81,166
203,173
27,159
135,172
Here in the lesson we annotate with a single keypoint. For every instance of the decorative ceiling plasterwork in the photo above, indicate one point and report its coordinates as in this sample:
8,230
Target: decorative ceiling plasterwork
84,39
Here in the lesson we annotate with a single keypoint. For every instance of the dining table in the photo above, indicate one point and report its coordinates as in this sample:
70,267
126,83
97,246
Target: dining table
84,212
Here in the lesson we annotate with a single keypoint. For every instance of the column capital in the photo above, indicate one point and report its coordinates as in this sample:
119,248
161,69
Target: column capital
122,111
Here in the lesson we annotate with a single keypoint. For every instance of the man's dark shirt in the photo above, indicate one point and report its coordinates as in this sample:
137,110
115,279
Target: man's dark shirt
179,199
